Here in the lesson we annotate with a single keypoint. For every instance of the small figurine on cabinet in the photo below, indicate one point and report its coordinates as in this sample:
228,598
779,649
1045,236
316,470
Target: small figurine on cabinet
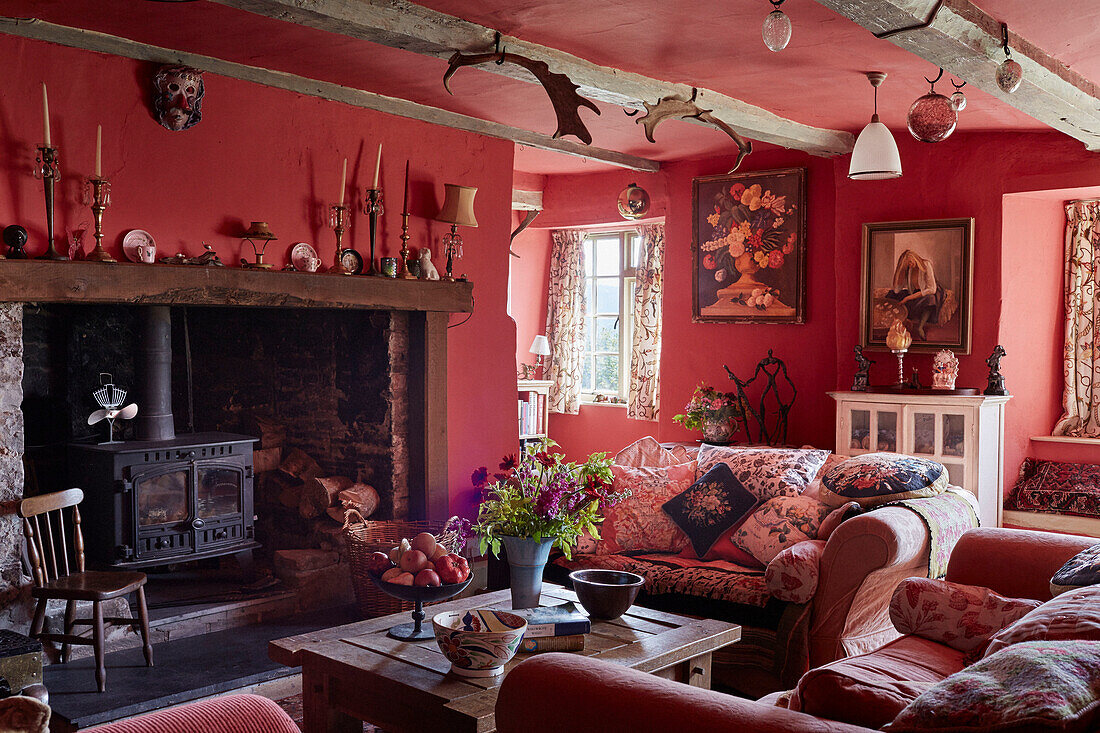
863,366
945,370
914,381
178,92
996,381
427,269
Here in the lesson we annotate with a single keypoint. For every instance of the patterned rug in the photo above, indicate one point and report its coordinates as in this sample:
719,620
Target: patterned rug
947,516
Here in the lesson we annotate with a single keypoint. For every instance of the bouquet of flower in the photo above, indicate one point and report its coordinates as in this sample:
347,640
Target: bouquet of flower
751,232
540,497
709,404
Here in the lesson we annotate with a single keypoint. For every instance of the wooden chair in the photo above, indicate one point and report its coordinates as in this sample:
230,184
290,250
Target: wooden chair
45,530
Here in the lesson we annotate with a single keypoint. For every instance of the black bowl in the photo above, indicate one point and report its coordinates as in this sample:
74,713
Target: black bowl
422,593
606,594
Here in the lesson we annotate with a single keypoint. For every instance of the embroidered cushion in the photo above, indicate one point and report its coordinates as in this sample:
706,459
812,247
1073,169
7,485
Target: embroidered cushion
646,452
710,506
779,523
1081,570
1032,686
792,575
766,472
961,616
1074,614
637,523
878,478
1055,486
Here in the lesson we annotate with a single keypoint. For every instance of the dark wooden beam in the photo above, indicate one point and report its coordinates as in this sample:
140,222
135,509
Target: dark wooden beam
39,281
429,498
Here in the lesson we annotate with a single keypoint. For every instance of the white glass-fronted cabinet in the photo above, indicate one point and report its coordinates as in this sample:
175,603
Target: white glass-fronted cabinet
965,433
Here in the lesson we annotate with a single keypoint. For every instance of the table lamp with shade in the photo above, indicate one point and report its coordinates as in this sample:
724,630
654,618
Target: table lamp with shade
540,347
458,211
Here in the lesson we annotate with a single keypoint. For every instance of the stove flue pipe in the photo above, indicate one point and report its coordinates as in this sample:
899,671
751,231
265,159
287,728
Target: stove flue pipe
154,421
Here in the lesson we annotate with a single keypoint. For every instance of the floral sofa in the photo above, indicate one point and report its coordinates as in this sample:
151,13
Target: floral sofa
1048,678
819,599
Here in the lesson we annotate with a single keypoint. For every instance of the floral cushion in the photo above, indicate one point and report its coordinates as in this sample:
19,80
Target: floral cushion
1071,615
878,478
1033,686
1081,570
710,506
961,616
792,574
1055,486
637,522
646,452
766,472
779,523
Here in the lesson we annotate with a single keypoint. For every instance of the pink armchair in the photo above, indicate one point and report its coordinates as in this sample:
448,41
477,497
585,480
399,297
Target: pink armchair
228,714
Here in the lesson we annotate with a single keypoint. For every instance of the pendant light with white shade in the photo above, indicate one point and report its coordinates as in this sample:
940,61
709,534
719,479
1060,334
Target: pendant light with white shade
875,156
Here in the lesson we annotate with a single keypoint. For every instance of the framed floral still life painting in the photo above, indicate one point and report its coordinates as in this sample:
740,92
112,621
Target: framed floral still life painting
749,244
921,274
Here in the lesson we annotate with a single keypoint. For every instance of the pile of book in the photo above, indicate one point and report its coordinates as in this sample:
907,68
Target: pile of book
554,628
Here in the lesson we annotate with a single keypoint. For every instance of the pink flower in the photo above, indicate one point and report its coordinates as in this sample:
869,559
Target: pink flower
775,259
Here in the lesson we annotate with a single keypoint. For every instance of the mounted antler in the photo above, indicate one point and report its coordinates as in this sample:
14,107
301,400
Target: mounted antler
676,108
561,90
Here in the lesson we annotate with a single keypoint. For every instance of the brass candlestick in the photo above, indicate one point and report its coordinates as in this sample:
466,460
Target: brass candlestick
338,214
47,168
406,275
97,195
372,207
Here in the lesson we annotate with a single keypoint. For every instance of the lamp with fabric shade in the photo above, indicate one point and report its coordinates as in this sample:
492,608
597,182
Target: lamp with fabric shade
458,211
875,156
540,347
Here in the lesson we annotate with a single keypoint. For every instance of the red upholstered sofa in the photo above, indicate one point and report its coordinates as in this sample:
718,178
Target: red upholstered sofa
605,697
228,714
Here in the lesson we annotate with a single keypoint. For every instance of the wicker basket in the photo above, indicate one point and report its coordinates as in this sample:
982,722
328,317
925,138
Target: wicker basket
368,537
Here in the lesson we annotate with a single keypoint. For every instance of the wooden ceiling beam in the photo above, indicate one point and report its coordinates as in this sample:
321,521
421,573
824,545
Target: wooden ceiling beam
966,42
115,45
401,24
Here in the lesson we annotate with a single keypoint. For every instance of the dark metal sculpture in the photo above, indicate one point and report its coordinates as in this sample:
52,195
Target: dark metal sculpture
770,410
676,108
996,381
561,90
863,367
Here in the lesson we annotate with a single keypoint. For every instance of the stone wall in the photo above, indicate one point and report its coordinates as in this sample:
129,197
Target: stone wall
15,605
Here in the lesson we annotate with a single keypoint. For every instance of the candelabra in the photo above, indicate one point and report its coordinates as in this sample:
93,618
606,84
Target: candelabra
97,195
338,214
405,247
372,207
47,168
452,242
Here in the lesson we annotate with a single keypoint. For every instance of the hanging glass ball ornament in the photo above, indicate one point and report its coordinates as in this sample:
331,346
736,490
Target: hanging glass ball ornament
777,30
932,118
1009,75
633,202
958,101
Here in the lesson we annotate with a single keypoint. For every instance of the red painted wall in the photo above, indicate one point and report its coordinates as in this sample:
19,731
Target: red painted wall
529,280
267,154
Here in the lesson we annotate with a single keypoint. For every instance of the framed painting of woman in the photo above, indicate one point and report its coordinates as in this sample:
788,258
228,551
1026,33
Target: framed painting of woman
749,246
921,274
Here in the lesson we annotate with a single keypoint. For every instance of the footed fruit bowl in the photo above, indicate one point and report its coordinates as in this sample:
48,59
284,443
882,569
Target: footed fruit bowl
419,595
480,642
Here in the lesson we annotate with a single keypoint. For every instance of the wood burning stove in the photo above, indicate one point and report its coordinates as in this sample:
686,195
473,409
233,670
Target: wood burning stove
167,501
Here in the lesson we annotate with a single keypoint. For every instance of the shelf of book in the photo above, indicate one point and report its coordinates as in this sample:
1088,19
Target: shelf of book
532,409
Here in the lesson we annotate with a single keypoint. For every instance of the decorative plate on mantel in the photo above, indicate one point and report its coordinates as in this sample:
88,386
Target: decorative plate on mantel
352,261
303,257
136,242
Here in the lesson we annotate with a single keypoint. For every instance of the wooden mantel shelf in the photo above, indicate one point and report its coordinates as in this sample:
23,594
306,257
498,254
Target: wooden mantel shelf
41,281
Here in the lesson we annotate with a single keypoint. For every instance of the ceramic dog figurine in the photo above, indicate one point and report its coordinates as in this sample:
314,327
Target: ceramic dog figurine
427,269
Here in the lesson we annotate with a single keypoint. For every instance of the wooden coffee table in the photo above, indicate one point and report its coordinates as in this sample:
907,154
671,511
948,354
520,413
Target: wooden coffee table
356,673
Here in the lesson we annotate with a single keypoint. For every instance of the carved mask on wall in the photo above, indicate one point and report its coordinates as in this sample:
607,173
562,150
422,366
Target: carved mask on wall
178,94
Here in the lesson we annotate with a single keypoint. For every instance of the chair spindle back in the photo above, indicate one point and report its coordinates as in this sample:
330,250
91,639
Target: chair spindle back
44,527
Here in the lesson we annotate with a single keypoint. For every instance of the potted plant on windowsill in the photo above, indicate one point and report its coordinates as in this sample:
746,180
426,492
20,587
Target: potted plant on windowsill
537,503
716,414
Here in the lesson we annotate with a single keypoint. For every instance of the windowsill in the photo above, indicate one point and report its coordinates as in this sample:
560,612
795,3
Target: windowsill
585,403
1065,439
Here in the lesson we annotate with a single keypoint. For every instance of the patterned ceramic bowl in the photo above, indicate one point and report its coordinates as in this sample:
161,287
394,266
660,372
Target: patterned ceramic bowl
480,642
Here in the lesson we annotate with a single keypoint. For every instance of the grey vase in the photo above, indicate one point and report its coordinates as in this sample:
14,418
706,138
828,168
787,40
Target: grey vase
526,561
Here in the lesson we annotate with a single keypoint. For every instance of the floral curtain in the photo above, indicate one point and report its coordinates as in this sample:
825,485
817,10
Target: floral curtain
565,324
643,398
1080,397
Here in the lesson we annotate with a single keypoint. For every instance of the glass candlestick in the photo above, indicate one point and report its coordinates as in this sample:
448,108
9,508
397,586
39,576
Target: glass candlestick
47,168
338,214
97,195
900,354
